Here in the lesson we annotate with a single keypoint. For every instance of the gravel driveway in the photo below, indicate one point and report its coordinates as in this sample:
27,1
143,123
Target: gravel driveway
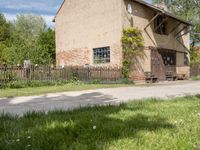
114,96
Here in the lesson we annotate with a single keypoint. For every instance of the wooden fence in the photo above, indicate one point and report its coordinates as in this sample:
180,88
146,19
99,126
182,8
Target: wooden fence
48,73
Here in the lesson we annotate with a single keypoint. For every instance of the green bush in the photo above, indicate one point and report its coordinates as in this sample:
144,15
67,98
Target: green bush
75,81
132,46
40,83
95,82
120,81
7,75
16,84
126,81
36,83
196,78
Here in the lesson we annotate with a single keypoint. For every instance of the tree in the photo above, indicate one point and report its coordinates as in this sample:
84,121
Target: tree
168,2
45,48
194,56
4,29
189,10
5,32
27,37
26,30
29,26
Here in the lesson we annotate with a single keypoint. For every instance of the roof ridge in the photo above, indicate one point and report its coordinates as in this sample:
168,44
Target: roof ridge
142,2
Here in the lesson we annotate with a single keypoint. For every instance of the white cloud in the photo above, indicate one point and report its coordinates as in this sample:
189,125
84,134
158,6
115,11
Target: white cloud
47,6
39,6
49,20
20,6
10,17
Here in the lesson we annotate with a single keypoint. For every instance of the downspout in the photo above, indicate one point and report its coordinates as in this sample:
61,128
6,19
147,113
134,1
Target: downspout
145,29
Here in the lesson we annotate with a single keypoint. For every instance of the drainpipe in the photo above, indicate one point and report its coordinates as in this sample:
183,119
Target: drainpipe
145,29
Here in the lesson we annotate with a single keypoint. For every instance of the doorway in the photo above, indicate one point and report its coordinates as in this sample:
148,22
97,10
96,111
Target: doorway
163,63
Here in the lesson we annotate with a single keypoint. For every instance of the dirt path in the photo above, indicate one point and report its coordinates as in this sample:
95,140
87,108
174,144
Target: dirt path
71,100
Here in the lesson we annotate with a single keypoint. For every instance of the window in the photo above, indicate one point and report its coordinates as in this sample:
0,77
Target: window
160,25
129,8
101,55
169,58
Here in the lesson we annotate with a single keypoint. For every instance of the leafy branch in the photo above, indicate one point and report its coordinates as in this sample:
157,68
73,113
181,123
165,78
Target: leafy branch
132,46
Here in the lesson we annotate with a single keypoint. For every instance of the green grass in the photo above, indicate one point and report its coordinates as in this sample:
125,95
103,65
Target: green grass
8,92
141,125
196,78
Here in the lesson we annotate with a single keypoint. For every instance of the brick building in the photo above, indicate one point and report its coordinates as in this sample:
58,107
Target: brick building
88,32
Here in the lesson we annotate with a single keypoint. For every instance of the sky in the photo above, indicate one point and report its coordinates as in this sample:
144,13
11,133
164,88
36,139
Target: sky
46,8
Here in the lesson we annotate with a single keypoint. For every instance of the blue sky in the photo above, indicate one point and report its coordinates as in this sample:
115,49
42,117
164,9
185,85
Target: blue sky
45,8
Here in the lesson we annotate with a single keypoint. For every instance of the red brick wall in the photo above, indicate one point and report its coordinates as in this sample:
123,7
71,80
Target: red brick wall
137,74
81,57
76,57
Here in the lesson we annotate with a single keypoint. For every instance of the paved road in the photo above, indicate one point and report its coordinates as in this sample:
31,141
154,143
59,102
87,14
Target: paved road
114,96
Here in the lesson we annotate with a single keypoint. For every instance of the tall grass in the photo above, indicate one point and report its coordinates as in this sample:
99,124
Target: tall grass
141,125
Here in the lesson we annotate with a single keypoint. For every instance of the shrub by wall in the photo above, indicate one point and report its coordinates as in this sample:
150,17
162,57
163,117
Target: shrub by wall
132,46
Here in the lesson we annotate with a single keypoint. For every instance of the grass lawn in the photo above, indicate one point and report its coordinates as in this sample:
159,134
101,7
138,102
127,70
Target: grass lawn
196,78
152,124
52,89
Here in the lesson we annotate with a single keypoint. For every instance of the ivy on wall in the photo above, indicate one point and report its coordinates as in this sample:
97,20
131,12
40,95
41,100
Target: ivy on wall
132,46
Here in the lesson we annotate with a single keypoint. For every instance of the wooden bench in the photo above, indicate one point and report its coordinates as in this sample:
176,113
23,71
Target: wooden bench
171,76
150,78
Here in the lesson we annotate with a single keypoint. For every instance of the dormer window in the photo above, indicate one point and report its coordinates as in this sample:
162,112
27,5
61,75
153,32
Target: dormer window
160,25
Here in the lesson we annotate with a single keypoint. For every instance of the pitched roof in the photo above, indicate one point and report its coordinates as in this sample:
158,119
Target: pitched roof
147,5
162,11
59,10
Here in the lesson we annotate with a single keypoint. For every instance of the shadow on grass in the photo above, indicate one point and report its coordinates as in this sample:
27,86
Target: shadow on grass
87,128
